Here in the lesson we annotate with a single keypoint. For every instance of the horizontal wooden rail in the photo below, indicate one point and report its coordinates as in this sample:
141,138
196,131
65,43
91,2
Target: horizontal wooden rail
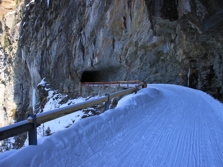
121,93
15,129
113,83
53,114
28,124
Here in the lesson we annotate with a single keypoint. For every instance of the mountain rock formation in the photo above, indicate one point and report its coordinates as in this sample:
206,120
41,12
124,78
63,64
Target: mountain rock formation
9,33
65,42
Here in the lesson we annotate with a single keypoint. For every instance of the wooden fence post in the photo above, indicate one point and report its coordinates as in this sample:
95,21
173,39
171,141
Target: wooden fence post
107,103
33,132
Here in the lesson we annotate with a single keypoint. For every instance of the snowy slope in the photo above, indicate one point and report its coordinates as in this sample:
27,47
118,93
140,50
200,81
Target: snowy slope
162,125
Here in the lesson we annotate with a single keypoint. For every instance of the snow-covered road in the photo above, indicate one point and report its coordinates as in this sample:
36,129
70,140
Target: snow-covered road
162,125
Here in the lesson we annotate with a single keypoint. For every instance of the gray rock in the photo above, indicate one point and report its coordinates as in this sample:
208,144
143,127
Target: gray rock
177,42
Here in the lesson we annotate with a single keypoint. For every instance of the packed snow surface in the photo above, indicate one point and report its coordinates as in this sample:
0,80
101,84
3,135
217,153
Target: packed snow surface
162,125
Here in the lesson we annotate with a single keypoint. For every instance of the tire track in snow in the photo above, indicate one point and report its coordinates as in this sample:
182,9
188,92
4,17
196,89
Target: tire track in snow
212,138
175,137
124,149
187,136
179,135
155,136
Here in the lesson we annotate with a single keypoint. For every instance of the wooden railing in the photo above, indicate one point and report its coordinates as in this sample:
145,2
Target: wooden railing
124,84
33,121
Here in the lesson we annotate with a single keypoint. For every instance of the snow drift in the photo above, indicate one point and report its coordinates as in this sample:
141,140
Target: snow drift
162,125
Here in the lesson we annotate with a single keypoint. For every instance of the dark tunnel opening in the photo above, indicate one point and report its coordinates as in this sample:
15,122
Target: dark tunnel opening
102,75
90,76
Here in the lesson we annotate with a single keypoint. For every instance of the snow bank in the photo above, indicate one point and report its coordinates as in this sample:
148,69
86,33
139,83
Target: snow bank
162,125
85,131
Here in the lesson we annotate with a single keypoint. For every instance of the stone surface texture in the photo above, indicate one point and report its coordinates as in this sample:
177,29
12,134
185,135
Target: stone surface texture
9,34
157,41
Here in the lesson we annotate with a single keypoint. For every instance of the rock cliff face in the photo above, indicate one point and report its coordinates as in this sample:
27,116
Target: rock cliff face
9,33
158,41
7,6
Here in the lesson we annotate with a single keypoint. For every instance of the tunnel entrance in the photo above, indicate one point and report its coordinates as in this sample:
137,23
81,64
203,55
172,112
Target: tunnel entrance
90,76
103,81
102,75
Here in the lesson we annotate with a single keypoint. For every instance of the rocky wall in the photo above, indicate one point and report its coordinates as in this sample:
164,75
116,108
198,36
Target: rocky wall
14,92
157,41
